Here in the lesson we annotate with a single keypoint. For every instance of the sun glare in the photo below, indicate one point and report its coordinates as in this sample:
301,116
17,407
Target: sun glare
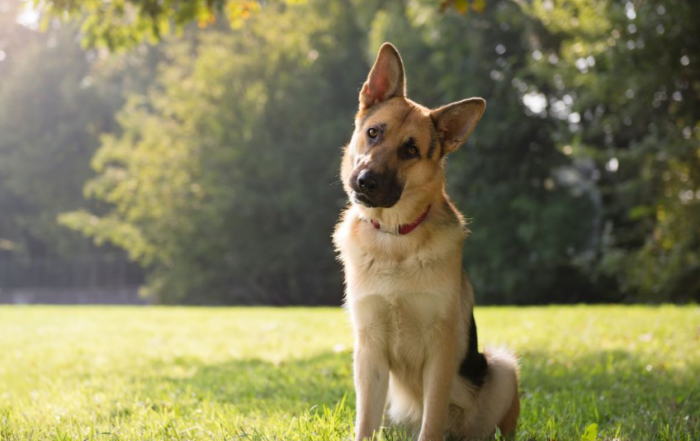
29,16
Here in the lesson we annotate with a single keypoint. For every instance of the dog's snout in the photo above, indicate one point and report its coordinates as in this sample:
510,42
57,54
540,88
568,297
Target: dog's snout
368,182
375,189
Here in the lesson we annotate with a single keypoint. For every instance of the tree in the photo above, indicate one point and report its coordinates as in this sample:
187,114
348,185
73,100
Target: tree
50,119
122,24
581,180
55,101
222,182
624,79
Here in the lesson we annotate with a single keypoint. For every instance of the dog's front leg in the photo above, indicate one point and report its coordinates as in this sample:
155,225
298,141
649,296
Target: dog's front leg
371,384
438,376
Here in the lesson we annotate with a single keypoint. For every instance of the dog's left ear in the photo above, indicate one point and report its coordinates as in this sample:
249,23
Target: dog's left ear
455,122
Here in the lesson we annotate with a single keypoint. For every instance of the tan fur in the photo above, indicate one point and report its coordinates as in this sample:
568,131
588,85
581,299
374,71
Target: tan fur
409,300
510,421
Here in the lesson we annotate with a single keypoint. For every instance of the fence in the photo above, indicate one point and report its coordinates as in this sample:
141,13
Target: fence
96,279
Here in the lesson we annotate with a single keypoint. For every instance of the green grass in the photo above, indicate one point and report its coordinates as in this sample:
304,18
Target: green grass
94,373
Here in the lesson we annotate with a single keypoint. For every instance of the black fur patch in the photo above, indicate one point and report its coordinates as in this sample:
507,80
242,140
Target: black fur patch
403,150
473,367
433,141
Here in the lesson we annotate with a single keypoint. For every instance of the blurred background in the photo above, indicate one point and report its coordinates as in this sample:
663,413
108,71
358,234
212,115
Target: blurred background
187,152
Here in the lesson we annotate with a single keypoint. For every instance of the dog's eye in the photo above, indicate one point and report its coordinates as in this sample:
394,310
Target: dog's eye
372,132
409,150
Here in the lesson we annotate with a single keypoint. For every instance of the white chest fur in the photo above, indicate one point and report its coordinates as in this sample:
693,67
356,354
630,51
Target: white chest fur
400,287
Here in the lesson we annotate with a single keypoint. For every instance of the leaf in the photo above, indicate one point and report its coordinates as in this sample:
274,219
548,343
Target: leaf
640,211
462,6
591,432
479,5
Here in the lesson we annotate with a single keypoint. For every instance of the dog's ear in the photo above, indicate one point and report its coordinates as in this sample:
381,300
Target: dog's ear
455,122
385,80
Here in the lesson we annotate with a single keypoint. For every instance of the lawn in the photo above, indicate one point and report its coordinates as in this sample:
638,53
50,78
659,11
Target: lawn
151,373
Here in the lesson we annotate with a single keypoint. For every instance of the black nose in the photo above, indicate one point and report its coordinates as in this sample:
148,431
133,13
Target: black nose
368,182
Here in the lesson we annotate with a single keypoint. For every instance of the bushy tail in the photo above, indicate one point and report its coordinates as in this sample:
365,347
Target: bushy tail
498,402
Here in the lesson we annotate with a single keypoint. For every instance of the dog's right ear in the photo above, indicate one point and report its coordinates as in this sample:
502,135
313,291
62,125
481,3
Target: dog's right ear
455,122
385,80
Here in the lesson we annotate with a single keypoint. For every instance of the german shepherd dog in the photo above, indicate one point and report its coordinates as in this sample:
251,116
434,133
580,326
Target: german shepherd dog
410,302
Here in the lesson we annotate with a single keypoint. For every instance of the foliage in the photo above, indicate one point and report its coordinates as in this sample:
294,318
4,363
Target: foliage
220,174
207,204
55,101
285,374
624,78
50,121
122,24
224,181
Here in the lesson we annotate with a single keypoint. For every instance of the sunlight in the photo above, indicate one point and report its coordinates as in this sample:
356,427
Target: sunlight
29,16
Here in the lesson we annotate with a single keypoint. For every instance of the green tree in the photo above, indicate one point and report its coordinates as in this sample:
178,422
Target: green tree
50,120
624,79
581,180
122,24
224,181
55,101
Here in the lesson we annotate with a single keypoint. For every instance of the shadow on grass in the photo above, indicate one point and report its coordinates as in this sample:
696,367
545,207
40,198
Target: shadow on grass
560,396
255,385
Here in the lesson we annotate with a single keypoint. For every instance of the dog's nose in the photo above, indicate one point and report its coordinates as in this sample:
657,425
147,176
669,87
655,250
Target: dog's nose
368,182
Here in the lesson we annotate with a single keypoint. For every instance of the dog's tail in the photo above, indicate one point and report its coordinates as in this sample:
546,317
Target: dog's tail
498,401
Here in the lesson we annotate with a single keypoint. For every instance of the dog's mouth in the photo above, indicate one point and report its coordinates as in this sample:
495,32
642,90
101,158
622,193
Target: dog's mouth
365,200
361,199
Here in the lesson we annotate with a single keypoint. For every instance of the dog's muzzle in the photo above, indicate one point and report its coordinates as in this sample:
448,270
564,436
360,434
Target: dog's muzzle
373,189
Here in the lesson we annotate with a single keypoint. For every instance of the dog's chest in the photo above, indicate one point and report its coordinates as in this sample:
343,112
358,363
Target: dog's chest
397,271
399,289
410,324
402,322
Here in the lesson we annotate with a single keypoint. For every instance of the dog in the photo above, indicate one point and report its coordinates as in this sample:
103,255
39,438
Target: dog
409,300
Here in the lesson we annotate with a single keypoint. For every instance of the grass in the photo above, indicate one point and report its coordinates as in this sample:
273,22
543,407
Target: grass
95,373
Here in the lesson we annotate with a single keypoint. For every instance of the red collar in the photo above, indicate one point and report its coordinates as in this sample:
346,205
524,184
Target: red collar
405,228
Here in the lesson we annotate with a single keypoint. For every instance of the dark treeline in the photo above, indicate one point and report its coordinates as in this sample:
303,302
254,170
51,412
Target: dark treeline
212,158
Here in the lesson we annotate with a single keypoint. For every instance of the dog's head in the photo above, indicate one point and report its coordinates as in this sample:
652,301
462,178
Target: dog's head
397,150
